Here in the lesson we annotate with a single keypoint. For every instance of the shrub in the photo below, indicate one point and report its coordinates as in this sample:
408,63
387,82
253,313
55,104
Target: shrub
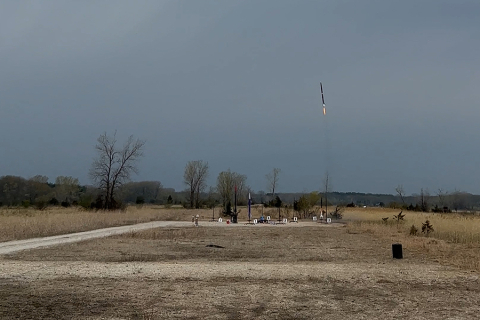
53,201
65,204
140,200
85,202
427,228
338,213
413,230
98,204
169,202
41,204
399,217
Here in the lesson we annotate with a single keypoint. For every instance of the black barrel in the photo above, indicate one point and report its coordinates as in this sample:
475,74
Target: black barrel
397,251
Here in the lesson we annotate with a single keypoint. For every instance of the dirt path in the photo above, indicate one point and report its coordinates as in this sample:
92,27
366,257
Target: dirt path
19,245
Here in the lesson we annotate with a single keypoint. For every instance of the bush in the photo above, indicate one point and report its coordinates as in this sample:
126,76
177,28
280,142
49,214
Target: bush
85,202
140,200
413,230
427,228
53,201
65,204
98,204
169,202
399,217
41,204
278,202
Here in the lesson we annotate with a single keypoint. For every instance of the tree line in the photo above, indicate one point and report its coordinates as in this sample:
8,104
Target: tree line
112,169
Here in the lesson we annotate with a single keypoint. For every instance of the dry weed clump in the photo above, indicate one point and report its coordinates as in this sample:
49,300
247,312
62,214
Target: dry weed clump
23,223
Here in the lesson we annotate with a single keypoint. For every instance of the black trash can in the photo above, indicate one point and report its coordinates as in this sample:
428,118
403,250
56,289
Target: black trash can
234,219
397,251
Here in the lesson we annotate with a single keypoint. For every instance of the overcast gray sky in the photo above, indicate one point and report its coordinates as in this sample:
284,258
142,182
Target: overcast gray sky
236,83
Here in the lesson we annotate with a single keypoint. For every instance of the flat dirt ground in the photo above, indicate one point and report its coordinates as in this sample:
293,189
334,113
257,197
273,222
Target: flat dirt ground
294,271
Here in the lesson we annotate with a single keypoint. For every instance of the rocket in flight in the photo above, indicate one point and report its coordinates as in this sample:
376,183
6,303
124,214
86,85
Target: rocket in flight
323,100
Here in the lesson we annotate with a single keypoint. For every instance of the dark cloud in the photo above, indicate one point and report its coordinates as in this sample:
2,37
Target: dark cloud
236,84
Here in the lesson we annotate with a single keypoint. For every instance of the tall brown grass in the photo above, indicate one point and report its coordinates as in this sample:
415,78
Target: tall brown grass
451,227
455,239
22,223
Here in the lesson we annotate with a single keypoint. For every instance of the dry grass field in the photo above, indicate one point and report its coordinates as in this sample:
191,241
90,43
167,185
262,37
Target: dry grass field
21,223
296,271
303,271
454,241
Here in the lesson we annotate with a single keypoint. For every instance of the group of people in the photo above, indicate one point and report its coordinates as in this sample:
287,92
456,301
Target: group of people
195,220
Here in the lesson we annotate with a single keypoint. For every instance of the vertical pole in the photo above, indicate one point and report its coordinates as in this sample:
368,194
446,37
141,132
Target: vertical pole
326,207
235,209
326,197
249,207
235,218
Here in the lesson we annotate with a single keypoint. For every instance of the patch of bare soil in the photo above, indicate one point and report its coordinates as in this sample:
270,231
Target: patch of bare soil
264,272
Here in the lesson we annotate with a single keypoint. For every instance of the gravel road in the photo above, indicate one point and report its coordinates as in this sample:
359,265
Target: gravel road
19,245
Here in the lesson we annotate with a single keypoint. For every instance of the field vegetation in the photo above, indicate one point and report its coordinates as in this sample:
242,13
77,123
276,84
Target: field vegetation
23,223
453,238
218,271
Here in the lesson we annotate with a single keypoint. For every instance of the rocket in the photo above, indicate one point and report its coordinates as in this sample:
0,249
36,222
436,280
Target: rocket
323,100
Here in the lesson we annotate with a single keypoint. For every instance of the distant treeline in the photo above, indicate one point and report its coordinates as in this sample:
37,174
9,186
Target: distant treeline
66,191
441,202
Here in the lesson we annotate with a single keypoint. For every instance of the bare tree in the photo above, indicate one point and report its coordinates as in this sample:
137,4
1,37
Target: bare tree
226,183
423,200
327,186
66,187
272,180
148,190
400,192
114,166
307,202
196,173
442,195
458,199
39,178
